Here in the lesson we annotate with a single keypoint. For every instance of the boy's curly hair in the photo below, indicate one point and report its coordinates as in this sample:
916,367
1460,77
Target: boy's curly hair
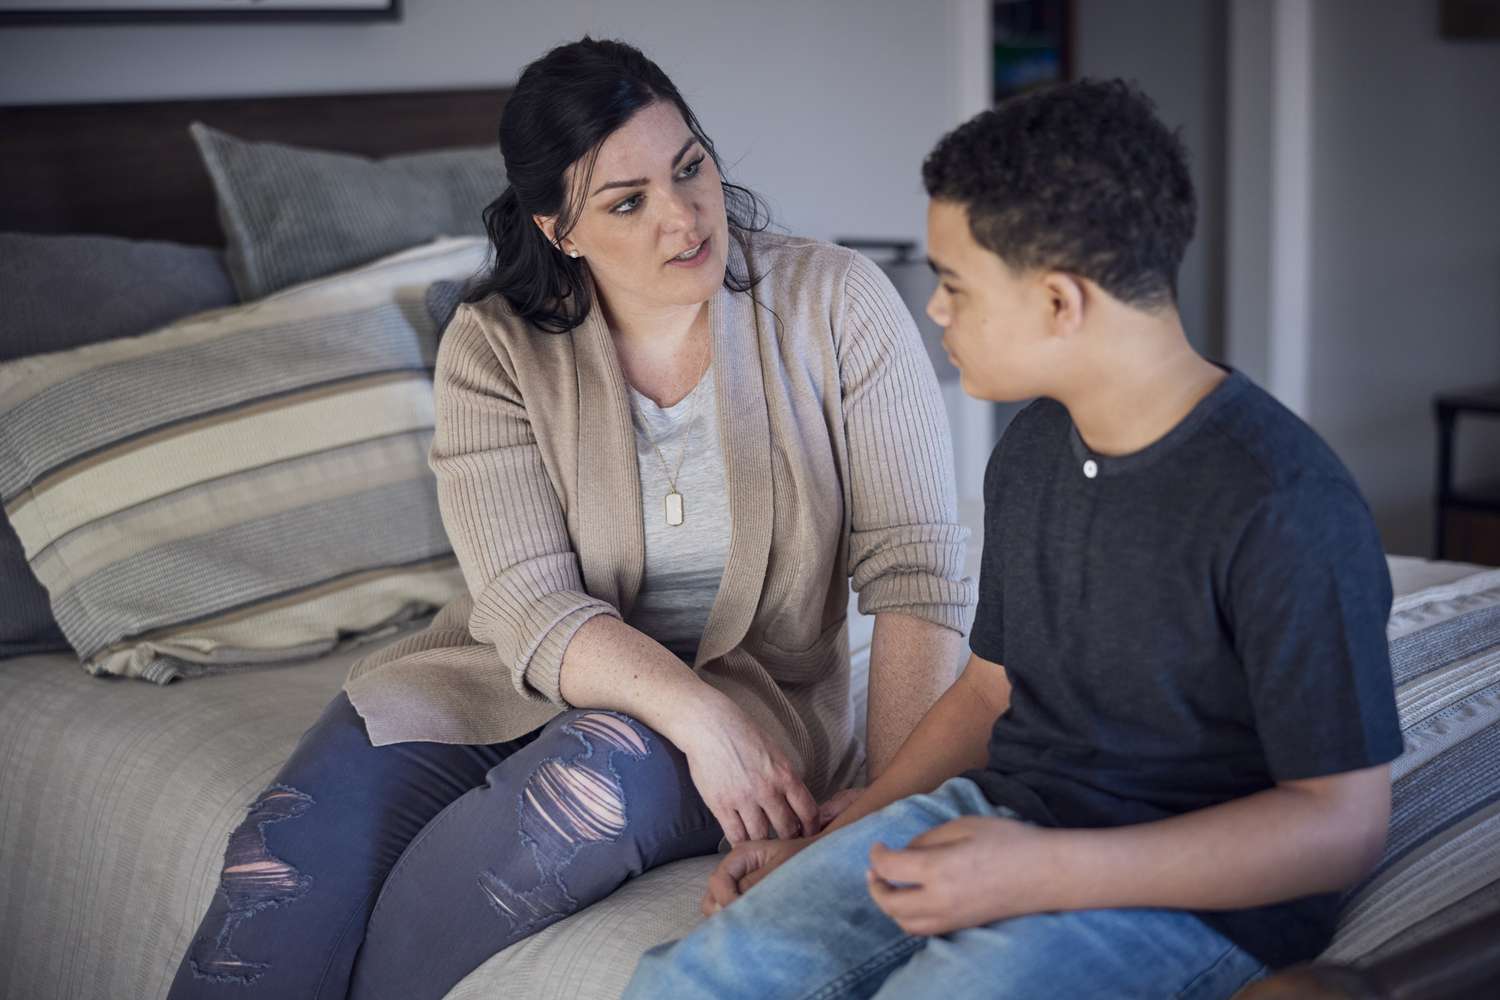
1081,177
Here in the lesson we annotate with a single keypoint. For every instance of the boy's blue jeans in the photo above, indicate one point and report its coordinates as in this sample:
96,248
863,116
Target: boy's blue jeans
810,929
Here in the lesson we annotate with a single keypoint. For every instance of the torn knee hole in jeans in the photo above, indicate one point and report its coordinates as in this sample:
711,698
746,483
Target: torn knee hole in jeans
253,879
565,805
578,800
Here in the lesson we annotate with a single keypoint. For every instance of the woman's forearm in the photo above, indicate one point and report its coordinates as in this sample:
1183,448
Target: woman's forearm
608,664
744,776
952,737
912,662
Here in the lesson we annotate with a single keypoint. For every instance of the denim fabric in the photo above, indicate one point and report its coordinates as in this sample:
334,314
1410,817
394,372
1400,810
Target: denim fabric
810,930
394,871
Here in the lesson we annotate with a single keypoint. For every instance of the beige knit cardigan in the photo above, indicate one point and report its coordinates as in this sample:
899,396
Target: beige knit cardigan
838,462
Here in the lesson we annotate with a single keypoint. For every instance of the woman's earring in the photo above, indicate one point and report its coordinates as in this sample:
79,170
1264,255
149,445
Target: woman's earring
573,254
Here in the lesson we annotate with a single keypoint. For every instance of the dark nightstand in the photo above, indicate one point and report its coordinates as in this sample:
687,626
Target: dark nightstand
1468,520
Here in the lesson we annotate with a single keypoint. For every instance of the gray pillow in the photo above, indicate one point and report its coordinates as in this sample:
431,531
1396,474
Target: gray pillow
61,292
66,291
443,299
26,622
292,214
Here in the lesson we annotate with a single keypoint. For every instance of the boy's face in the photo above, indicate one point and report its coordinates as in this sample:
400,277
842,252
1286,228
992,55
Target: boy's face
995,321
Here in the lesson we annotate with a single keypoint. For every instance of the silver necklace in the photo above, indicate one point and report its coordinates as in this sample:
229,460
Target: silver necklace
672,504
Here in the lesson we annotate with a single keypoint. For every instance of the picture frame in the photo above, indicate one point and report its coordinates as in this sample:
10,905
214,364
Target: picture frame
61,12
1469,20
1031,45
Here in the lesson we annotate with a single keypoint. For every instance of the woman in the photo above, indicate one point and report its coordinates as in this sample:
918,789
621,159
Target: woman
665,440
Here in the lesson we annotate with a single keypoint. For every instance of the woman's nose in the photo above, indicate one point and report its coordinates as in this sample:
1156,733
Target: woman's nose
677,213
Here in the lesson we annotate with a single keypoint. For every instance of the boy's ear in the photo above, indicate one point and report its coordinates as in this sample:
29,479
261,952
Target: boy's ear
1067,299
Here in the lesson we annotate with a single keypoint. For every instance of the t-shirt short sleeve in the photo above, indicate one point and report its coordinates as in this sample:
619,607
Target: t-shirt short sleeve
987,636
1309,596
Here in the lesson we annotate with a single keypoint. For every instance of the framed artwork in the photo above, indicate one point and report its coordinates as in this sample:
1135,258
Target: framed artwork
1032,45
118,11
1470,19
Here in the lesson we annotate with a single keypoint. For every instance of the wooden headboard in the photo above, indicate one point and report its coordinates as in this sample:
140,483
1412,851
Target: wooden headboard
132,170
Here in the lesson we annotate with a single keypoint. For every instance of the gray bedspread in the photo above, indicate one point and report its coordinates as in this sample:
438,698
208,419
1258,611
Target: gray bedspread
116,799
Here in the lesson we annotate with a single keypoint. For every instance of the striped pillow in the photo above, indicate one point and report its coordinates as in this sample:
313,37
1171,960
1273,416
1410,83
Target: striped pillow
1441,867
244,485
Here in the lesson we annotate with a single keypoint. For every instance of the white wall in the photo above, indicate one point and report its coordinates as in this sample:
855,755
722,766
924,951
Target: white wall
1405,246
1248,182
1400,249
827,108
1269,217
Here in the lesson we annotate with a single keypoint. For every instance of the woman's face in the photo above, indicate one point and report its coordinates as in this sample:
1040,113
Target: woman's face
654,196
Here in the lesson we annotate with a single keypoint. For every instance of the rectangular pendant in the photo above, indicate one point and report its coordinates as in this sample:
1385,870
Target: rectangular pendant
674,508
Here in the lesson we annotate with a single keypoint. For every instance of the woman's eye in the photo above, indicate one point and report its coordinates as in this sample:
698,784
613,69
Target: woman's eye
691,170
627,206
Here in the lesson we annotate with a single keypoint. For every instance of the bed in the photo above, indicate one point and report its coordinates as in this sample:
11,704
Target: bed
117,793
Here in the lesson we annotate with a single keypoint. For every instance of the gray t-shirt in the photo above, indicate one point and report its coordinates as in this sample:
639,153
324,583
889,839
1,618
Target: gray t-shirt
684,562
1183,626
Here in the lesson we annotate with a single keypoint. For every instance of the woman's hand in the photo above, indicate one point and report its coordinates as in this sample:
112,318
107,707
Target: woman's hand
745,779
744,866
830,810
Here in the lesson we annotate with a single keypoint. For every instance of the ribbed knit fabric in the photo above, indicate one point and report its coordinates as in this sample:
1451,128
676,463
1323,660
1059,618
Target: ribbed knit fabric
837,460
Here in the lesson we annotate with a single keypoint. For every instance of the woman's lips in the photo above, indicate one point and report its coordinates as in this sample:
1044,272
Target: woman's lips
695,261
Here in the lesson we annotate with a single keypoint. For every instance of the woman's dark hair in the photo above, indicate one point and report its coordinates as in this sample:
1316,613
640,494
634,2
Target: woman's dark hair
562,109
1082,177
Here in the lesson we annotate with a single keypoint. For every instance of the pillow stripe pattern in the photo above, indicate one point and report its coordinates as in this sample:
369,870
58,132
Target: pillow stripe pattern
246,485
1441,866
197,381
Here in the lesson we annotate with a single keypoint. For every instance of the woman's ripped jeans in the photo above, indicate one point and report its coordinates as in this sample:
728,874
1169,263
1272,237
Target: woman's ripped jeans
394,871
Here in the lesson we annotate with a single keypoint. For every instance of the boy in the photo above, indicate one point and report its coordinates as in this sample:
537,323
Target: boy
1168,751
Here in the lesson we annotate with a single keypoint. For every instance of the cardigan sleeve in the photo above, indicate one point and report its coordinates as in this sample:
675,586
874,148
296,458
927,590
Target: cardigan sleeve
503,516
906,547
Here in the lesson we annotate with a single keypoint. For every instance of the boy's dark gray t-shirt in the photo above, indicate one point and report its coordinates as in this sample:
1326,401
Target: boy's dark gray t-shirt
1183,626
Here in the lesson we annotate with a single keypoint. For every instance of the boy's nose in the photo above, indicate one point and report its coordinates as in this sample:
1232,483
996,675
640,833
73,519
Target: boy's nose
935,310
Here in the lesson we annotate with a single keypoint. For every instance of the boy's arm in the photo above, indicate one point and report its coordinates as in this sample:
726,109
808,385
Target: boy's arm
1296,839
952,737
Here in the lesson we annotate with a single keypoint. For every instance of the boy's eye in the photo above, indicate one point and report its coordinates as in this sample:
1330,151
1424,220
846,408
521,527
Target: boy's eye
949,289
627,206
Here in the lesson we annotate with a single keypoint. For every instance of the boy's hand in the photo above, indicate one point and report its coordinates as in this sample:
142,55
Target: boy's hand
965,873
744,866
